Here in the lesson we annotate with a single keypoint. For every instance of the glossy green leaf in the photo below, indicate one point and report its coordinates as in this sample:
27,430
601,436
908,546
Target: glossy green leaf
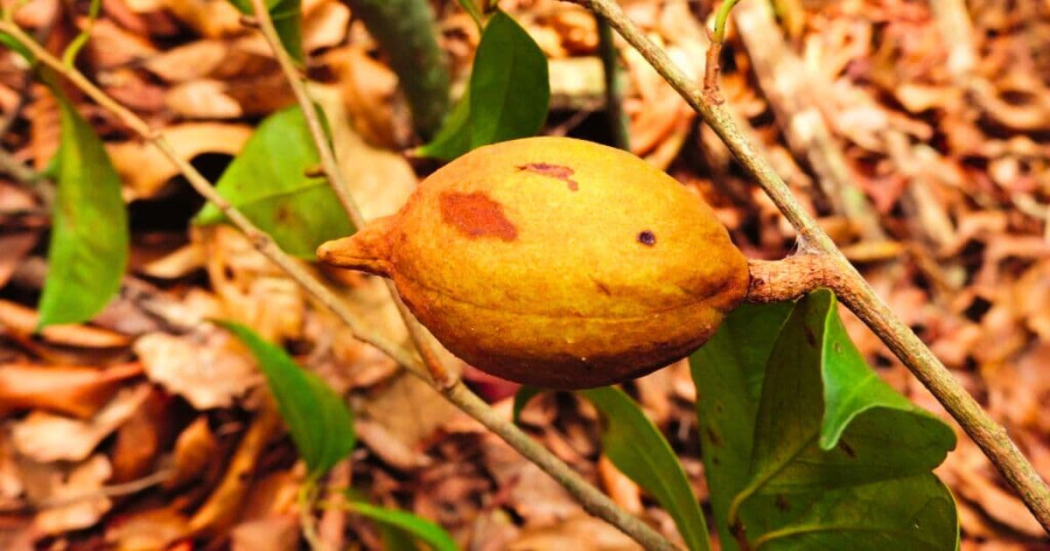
287,20
453,138
403,523
638,449
318,419
816,428
89,226
509,86
267,181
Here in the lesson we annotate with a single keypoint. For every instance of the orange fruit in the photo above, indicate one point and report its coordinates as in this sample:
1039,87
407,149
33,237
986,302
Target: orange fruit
556,262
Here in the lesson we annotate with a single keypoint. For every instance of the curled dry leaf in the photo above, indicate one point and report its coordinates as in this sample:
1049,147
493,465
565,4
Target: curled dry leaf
149,529
140,440
209,18
203,99
581,532
76,497
207,367
250,291
74,390
369,91
194,449
325,25
222,60
273,533
380,180
224,504
46,437
21,321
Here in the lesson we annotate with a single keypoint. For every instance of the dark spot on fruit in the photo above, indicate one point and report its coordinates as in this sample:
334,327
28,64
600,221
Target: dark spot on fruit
782,503
477,215
847,449
603,288
560,172
647,238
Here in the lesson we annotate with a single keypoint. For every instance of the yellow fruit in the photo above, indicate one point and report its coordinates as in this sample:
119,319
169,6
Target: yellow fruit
556,262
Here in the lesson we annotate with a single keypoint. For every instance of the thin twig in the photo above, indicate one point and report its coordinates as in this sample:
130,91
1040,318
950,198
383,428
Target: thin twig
856,293
331,170
593,500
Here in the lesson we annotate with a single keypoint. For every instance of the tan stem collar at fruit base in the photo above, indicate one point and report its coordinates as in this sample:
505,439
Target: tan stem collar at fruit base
790,278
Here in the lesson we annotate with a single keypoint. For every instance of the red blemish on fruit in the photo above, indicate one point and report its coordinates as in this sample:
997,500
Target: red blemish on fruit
560,172
477,215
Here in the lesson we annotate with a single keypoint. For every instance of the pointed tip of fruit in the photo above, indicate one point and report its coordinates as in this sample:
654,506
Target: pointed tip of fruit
366,250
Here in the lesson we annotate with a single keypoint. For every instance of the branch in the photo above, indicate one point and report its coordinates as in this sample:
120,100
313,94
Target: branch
854,290
593,500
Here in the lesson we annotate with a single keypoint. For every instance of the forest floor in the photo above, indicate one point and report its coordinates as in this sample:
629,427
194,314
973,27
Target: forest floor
919,137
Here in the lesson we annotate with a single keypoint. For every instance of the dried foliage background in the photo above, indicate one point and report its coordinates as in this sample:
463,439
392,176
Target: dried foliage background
924,148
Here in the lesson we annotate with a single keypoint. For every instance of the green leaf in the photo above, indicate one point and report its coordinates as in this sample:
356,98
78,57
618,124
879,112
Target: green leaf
267,181
453,138
9,42
287,19
728,371
89,226
509,87
638,449
408,524
913,513
818,429
318,419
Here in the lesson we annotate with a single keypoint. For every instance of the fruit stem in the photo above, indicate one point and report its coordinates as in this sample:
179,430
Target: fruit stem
790,278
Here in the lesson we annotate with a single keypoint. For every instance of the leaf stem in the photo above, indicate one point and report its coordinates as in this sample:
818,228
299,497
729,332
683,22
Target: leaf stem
851,287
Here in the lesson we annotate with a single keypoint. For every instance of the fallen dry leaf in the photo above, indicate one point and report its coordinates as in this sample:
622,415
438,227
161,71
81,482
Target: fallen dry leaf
21,320
204,367
46,437
76,390
224,504
76,498
145,170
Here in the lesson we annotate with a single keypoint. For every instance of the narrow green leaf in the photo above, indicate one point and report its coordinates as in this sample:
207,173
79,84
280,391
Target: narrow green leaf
9,42
638,449
318,419
287,20
267,181
813,388
414,526
509,87
89,226
453,139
